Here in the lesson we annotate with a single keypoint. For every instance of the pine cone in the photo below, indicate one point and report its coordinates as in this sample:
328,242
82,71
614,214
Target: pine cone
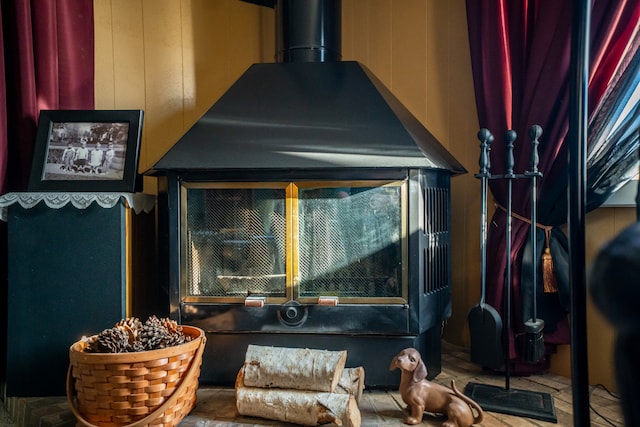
90,344
171,325
177,335
137,346
173,339
130,334
114,340
153,333
133,326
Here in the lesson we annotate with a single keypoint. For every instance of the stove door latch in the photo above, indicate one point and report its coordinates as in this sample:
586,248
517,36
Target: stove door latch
255,301
328,301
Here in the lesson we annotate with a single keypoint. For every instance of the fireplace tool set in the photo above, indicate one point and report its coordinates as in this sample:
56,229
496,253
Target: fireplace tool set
489,334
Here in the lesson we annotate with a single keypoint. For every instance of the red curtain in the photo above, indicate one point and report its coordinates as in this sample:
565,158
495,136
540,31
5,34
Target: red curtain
520,52
46,62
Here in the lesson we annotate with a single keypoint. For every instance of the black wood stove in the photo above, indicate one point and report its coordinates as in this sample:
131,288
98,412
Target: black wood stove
308,208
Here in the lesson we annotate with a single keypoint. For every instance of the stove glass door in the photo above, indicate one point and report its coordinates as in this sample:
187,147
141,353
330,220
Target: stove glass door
294,241
234,240
350,241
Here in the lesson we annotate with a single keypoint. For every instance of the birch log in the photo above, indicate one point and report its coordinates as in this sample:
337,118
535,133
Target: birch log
293,368
309,408
352,382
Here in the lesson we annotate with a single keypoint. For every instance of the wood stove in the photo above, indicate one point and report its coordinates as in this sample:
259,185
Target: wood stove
308,208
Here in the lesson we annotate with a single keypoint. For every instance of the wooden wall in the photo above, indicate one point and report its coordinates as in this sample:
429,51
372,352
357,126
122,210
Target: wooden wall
172,58
175,58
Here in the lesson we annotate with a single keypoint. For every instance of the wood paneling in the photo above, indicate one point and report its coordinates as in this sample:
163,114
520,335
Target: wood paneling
173,59
439,69
379,15
163,77
128,55
408,55
103,29
602,225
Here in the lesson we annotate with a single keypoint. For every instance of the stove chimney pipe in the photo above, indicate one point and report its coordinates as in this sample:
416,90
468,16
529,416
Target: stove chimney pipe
308,30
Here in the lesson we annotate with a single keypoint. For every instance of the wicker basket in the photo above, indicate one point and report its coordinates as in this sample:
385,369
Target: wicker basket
146,388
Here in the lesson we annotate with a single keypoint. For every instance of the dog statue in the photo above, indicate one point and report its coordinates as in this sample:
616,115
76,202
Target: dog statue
422,395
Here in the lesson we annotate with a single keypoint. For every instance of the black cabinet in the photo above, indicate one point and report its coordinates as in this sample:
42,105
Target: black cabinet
72,272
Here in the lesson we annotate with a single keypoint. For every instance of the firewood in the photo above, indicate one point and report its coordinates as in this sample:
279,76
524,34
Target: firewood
309,408
352,382
293,368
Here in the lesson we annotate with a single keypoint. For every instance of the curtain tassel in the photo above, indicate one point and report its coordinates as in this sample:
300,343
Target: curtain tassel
548,276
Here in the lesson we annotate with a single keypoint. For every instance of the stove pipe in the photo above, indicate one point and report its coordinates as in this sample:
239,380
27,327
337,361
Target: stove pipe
308,30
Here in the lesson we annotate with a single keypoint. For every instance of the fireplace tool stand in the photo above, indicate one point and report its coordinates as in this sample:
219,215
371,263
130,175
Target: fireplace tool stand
505,399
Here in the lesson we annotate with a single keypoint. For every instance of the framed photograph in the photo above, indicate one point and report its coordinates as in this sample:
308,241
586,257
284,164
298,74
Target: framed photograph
87,150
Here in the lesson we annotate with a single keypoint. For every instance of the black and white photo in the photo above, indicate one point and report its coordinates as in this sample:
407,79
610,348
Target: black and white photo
87,150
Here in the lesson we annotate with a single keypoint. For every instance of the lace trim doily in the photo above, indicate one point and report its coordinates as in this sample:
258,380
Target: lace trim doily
139,202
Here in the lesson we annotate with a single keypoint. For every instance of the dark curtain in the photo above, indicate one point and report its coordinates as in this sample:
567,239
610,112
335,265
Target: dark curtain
520,54
46,63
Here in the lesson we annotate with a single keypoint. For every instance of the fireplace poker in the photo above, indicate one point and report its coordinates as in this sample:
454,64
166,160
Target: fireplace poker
534,340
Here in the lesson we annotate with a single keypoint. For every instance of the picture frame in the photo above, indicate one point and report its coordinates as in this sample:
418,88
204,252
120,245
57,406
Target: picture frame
87,151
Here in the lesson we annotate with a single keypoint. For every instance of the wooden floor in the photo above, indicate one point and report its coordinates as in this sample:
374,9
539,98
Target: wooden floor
216,406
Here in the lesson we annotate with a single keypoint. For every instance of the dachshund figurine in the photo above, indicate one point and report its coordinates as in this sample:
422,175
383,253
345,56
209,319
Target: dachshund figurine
421,395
